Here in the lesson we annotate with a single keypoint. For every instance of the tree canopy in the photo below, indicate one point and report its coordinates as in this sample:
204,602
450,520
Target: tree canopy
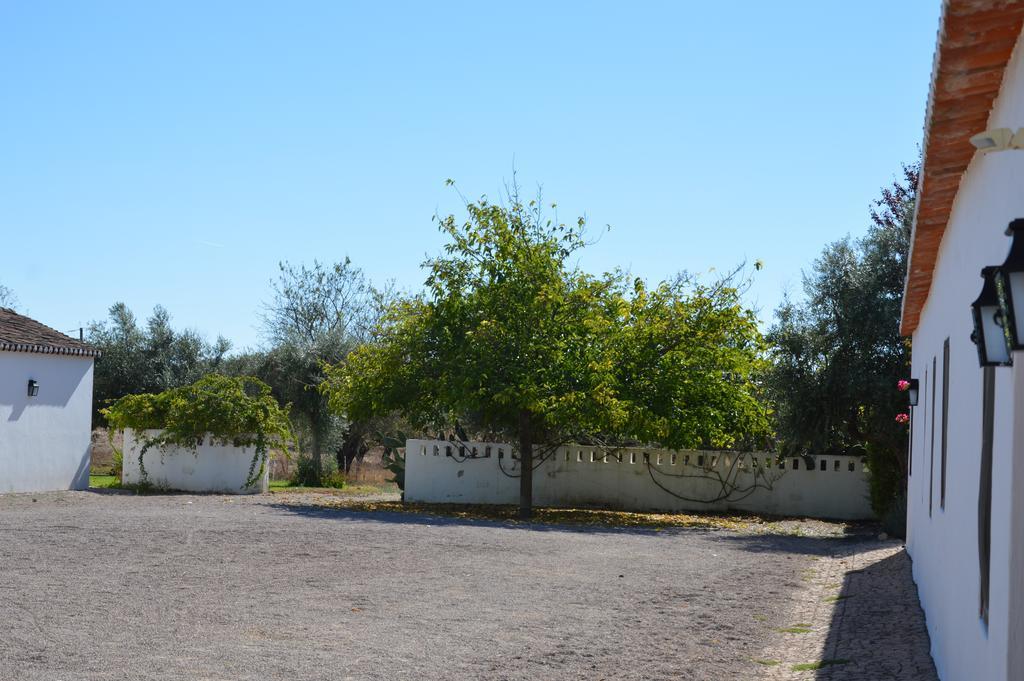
838,354
150,358
511,337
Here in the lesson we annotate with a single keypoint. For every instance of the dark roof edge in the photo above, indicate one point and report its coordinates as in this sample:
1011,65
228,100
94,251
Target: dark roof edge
48,349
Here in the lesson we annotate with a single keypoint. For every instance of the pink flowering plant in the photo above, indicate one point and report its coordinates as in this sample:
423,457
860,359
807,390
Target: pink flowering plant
902,418
902,385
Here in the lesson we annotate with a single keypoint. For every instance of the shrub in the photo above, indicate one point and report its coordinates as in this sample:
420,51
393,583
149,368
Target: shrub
238,411
894,520
305,475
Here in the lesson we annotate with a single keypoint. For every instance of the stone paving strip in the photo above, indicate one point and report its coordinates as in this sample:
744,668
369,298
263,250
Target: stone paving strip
857,619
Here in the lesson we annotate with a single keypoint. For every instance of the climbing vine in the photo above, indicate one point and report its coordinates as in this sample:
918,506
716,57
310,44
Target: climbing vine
237,411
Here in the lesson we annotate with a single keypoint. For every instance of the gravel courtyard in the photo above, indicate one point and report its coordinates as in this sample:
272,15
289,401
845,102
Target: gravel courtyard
108,586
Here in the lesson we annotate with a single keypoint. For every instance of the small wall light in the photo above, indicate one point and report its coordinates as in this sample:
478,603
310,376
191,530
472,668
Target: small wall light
1010,286
33,387
989,332
912,392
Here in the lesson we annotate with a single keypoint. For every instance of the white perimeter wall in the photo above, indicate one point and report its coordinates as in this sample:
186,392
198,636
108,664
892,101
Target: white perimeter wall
211,468
584,476
944,541
44,440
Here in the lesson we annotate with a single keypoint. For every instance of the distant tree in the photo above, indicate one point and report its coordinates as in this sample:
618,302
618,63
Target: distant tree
317,315
837,353
513,338
7,297
147,359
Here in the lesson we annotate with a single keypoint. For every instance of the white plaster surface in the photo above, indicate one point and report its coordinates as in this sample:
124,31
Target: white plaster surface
944,541
44,440
210,468
584,476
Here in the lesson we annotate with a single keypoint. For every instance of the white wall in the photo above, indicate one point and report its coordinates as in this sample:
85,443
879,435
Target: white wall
944,542
44,440
211,468
584,476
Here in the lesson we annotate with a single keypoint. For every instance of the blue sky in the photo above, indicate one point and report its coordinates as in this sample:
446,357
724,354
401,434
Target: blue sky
174,152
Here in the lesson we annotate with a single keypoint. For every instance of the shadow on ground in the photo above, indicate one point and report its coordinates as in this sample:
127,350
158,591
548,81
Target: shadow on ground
752,539
878,629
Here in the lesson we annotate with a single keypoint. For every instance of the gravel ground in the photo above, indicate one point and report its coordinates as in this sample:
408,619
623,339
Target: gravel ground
113,586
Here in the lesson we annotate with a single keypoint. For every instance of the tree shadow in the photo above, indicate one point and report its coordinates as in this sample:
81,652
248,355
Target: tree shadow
426,518
819,544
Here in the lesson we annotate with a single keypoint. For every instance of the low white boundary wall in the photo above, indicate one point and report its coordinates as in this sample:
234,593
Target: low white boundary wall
437,471
211,468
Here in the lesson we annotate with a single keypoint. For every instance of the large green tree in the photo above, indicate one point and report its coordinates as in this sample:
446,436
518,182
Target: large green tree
512,337
837,353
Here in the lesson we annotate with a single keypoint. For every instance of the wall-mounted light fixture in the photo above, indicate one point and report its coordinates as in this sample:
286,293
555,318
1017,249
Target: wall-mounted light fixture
989,331
1010,286
912,392
33,387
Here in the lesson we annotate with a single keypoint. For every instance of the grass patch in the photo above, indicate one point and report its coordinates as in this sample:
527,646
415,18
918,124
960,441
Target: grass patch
798,629
767,663
812,666
761,618
279,486
105,481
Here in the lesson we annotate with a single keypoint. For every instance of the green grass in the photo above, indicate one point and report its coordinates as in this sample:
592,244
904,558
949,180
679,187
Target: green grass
797,629
105,481
811,666
347,490
767,663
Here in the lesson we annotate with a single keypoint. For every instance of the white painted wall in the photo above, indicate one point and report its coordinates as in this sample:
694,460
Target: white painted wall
44,440
211,468
584,476
944,542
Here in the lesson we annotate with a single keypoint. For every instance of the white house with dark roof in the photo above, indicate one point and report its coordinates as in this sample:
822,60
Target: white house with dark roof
965,519
45,407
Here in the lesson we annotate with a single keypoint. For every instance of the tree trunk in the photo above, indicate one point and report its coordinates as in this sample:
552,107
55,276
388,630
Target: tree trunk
525,466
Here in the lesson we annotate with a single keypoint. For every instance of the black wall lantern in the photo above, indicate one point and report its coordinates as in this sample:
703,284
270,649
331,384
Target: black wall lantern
33,387
912,392
989,330
1010,286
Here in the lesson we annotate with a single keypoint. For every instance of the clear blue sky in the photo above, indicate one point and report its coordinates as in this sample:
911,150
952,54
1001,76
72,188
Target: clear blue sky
174,152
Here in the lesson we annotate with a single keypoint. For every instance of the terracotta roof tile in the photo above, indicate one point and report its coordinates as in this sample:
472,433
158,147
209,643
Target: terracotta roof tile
976,40
19,333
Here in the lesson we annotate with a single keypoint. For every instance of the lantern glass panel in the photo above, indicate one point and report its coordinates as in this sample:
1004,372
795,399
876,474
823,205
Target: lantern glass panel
989,332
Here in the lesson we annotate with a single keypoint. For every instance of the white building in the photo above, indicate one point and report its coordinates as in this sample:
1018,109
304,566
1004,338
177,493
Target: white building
966,482
45,407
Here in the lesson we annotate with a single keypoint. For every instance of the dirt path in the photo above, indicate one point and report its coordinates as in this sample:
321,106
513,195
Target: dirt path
111,587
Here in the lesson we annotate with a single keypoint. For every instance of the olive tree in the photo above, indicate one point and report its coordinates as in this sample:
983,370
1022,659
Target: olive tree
317,315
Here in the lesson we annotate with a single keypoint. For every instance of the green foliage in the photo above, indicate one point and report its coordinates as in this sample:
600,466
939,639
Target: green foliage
308,474
513,339
237,411
838,354
393,458
117,462
317,315
147,359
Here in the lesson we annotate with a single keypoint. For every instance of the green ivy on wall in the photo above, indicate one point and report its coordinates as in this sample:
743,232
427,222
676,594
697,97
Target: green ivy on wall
236,411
